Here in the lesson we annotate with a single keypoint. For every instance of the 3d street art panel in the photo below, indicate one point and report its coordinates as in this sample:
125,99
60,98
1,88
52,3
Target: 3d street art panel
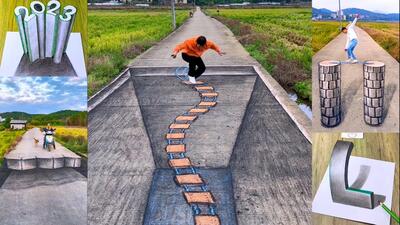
46,46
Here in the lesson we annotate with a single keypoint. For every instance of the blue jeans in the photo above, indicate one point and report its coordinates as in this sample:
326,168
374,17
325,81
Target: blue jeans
350,49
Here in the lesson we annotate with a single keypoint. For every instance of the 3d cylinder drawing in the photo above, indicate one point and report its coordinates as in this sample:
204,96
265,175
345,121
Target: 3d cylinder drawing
45,32
338,178
329,89
20,14
39,10
53,9
65,24
69,10
374,84
32,37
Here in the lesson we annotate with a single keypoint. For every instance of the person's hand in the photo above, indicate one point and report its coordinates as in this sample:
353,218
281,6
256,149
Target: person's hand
357,16
173,56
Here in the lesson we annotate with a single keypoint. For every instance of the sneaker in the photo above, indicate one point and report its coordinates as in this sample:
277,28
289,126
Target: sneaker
348,60
354,61
192,79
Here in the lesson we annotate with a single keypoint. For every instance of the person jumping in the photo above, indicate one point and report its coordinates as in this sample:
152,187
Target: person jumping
352,41
192,49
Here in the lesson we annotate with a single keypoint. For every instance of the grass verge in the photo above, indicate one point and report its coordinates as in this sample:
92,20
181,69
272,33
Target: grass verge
73,138
118,36
8,140
279,39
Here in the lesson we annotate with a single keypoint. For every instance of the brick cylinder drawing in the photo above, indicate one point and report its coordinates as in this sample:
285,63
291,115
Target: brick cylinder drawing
374,85
329,92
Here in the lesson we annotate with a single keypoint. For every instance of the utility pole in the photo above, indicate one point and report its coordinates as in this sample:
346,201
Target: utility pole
173,14
340,16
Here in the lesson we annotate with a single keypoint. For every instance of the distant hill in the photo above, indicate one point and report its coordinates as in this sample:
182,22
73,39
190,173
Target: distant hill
367,15
62,118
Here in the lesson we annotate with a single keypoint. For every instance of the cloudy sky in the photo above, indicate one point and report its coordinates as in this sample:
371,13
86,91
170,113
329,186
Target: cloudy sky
382,6
37,95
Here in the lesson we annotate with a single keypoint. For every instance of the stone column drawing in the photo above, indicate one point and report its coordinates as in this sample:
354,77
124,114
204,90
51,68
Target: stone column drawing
374,84
329,89
338,178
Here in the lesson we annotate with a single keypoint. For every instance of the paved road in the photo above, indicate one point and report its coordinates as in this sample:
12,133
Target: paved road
29,155
249,134
352,85
199,24
42,196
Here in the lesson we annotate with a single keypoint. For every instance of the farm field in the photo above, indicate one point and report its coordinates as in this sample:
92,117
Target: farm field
73,138
279,39
117,37
8,140
8,22
385,34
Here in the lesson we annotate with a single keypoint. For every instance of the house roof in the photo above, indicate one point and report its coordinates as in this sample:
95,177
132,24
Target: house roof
18,122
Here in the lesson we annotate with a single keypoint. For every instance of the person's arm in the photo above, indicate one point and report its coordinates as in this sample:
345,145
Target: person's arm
215,47
351,26
347,43
179,48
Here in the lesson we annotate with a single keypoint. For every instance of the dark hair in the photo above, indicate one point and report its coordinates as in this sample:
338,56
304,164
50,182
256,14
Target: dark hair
344,28
201,40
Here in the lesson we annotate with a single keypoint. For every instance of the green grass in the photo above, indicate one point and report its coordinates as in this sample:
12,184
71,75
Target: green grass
117,37
322,33
385,34
8,140
73,138
279,39
8,22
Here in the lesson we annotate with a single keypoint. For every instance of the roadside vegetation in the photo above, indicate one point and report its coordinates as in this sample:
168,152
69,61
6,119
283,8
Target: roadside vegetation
73,138
8,140
279,39
118,36
385,34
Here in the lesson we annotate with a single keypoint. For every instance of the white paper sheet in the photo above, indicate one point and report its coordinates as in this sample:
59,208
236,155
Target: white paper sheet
380,181
13,52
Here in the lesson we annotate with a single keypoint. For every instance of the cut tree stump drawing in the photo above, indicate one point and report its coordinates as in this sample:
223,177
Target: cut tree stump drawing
329,88
374,84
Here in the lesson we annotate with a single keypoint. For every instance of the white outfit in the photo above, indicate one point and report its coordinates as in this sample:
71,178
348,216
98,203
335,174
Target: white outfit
351,33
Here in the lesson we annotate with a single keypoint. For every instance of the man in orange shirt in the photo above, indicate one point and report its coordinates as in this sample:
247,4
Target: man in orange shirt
192,49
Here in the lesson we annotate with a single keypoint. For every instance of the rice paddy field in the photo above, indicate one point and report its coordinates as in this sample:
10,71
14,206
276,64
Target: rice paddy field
8,140
118,36
73,138
279,39
385,34
8,22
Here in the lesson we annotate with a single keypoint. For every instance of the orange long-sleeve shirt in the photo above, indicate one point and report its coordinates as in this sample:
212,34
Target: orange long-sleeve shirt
190,47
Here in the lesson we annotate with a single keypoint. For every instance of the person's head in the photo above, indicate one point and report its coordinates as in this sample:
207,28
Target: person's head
344,29
201,41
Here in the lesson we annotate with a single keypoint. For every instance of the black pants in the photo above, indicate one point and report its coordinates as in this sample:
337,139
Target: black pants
196,65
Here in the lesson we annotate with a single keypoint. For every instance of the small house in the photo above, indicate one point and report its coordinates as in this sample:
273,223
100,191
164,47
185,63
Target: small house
18,124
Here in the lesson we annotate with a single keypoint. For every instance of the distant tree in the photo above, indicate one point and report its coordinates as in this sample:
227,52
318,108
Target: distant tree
6,122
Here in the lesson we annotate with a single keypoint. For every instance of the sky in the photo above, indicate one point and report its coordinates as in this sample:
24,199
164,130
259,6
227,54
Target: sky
42,95
381,6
